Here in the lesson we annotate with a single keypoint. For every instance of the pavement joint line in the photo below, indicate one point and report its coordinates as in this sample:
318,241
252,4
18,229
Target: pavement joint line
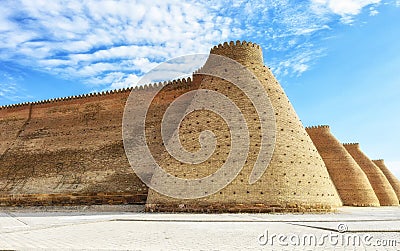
315,227
52,226
249,221
348,231
16,218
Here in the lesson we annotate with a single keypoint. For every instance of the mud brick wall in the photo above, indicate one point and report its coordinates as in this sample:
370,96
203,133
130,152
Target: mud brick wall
379,182
389,175
70,150
295,180
350,180
66,151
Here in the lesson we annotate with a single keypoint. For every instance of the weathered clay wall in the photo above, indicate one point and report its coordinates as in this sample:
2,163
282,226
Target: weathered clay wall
379,182
389,175
295,180
12,122
70,151
350,180
67,152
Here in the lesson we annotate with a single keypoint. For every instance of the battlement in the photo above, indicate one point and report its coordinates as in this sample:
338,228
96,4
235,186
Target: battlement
232,44
318,127
243,52
174,83
352,144
80,96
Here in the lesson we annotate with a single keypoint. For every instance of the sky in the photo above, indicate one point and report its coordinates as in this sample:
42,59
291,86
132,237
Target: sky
338,60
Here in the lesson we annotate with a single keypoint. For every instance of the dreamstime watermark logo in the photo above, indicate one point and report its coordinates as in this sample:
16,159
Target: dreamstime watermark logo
339,238
139,103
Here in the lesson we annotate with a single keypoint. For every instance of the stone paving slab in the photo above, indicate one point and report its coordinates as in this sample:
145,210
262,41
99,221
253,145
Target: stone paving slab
365,229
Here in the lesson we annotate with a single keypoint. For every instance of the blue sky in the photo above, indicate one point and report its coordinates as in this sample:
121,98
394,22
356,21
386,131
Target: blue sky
338,60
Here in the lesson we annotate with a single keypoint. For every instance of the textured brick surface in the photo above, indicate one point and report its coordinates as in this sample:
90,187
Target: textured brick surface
66,152
380,184
70,151
389,175
350,180
295,180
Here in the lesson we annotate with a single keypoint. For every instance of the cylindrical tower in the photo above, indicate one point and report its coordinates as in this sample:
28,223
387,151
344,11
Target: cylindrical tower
380,184
350,180
389,175
242,52
296,178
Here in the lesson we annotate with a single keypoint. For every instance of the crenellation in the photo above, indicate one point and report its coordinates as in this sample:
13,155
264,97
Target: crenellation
237,44
243,52
12,106
198,71
318,127
351,144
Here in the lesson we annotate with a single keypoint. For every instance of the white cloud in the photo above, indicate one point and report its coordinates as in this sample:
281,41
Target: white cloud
347,9
97,41
298,62
373,12
9,88
126,81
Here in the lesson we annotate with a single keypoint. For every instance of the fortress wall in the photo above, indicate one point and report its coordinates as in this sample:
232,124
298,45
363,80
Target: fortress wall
86,122
12,120
380,184
160,103
389,175
70,151
350,180
295,180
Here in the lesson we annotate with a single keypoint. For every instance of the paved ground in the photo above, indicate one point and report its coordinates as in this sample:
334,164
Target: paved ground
350,229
